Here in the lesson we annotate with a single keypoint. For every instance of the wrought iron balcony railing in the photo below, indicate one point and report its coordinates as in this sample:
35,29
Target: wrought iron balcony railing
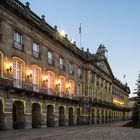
20,86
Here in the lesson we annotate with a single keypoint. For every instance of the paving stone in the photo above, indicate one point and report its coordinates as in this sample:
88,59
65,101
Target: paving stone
112,131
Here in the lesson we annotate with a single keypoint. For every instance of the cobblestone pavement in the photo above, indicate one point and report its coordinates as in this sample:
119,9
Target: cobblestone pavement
112,131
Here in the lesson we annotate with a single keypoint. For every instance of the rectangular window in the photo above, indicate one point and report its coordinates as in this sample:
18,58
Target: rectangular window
35,50
50,58
70,66
61,62
79,73
78,90
18,38
17,74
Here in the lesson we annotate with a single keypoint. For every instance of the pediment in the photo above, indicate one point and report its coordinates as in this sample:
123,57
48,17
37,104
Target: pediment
104,65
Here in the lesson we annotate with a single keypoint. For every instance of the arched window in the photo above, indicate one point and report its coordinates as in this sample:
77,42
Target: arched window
51,81
18,66
79,90
71,90
36,77
62,85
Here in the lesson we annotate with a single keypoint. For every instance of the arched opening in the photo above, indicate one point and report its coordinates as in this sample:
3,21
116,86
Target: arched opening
114,117
123,117
109,116
78,116
1,116
93,116
71,117
102,115
61,116
36,115
106,116
98,116
50,115
18,115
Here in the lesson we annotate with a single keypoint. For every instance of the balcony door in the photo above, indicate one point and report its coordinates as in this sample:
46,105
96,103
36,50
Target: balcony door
18,66
35,78
50,84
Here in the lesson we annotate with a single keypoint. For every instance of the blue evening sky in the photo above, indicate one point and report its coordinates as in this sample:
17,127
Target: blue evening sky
114,23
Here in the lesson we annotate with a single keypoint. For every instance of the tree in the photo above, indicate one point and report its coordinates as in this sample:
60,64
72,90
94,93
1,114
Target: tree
136,109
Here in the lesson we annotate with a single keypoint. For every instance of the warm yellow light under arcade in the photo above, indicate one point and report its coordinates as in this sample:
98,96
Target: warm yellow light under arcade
118,102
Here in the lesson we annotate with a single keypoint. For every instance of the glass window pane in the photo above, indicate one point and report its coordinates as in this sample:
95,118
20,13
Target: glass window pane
35,47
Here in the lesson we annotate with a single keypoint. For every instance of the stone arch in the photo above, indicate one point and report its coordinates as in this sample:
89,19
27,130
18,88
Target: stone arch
71,116
93,116
1,116
98,116
36,115
50,116
78,116
61,116
106,116
115,117
18,115
110,116
115,114
123,115
102,115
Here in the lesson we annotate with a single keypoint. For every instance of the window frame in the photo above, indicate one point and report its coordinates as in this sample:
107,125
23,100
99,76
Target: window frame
50,60
71,68
36,49
62,66
18,73
79,73
18,40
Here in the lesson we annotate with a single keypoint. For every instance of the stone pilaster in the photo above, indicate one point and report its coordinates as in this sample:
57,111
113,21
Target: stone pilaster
56,117
44,116
74,116
28,115
28,121
8,119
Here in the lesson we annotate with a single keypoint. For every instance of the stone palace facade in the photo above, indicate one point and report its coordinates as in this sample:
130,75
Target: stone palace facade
46,80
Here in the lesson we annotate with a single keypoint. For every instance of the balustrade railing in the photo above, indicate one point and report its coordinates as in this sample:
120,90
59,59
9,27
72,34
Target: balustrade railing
25,86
